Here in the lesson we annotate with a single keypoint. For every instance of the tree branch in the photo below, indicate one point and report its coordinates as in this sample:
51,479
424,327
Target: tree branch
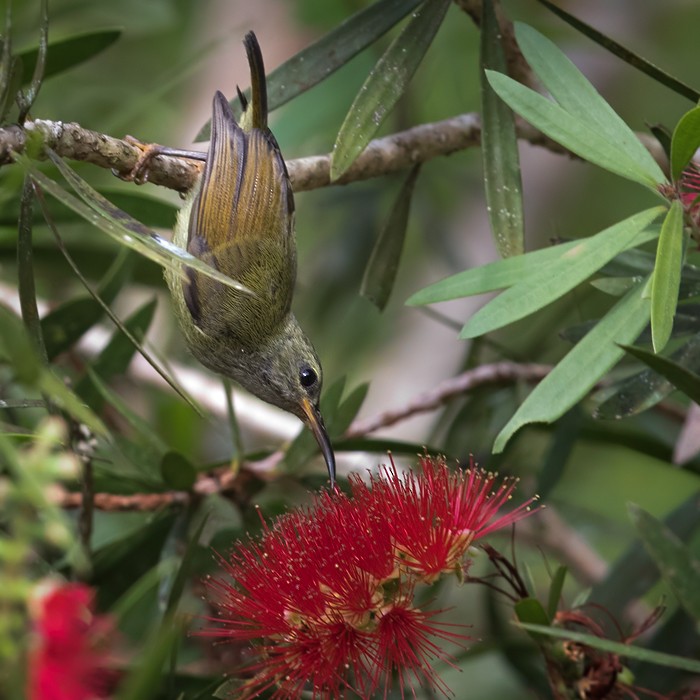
382,156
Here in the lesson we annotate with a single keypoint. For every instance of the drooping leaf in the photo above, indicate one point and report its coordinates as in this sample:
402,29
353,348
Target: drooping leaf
530,610
645,389
499,146
385,84
625,650
674,559
582,367
625,54
347,411
667,276
25,271
565,437
573,132
575,94
508,272
380,273
332,51
634,572
685,380
685,141
561,275
67,53
118,224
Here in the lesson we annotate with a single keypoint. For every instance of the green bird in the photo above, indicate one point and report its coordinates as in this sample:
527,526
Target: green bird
239,218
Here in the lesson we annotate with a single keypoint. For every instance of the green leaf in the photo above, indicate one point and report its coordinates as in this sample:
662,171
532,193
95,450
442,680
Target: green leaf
555,589
624,650
332,51
141,426
645,389
572,91
16,347
667,276
499,147
562,275
579,136
565,437
25,271
625,54
347,410
117,354
582,367
66,53
385,84
380,273
506,273
118,224
145,678
185,570
25,99
530,610
65,325
634,573
676,563
684,142
685,380
178,472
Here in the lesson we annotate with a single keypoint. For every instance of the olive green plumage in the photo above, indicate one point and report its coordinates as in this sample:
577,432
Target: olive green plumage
239,218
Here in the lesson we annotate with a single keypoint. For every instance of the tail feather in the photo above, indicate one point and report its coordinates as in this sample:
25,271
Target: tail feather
258,101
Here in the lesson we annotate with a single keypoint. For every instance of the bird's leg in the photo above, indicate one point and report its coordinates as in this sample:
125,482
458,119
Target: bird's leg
139,173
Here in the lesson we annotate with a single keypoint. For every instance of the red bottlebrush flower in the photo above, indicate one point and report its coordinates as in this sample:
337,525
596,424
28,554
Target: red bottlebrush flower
689,192
434,517
68,658
326,594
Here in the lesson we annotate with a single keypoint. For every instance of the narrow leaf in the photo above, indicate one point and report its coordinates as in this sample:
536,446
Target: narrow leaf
667,276
119,225
25,271
561,275
625,54
385,84
380,273
685,380
499,147
505,273
645,389
332,51
110,285
16,347
68,52
684,142
347,410
634,573
177,471
579,136
572,91
555,590
624,650
676,563
582,367
27,98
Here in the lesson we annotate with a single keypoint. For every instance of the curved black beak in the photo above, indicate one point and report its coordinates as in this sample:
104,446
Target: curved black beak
315,423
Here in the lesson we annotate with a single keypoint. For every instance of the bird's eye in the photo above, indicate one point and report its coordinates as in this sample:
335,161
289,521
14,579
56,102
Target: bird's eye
307,377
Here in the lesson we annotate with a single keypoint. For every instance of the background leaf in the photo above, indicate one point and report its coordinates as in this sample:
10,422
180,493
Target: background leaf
499,147
385,84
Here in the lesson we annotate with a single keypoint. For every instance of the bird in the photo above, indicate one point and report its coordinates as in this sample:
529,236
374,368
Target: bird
239,219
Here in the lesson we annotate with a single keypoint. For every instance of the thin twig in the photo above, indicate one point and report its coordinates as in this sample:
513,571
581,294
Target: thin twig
496,373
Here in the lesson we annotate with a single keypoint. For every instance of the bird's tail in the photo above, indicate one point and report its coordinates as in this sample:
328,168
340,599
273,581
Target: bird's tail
255,112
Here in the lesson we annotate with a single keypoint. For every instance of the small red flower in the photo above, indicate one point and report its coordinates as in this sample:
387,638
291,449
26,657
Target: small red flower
68,658
327,594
